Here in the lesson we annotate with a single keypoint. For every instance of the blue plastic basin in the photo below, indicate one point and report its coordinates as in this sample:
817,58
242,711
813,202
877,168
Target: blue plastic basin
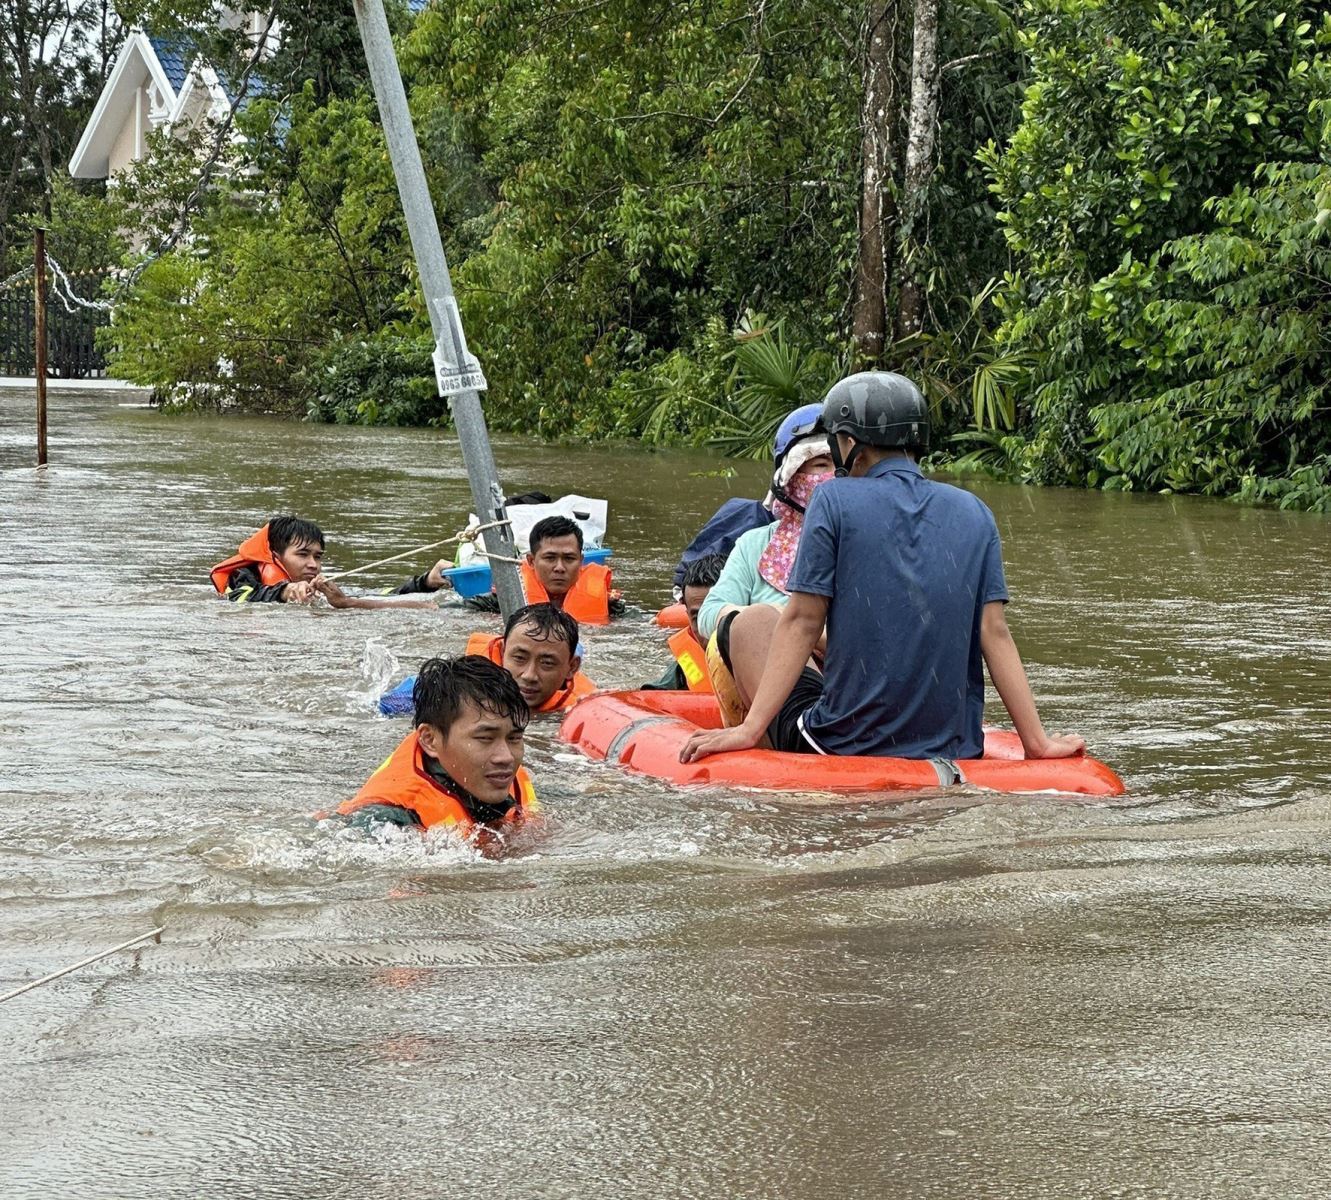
474,579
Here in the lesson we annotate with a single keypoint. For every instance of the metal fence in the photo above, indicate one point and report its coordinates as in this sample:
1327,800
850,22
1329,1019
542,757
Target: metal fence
71,348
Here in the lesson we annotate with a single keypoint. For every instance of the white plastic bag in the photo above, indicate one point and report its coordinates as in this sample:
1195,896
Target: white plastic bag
590,514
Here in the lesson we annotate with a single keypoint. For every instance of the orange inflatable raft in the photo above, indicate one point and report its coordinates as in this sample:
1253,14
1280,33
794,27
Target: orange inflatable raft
645,732
673,616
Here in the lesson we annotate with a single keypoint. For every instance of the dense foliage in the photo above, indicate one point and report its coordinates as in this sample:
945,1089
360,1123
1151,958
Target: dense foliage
616,190
1166,198
54,58
1112,246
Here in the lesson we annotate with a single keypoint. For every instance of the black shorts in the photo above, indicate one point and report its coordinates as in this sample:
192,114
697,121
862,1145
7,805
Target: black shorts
784,732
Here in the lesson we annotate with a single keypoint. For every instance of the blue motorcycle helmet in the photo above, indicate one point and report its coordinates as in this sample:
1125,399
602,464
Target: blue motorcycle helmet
802,425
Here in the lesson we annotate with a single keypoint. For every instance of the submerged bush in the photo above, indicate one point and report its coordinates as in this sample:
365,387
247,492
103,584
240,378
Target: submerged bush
388,380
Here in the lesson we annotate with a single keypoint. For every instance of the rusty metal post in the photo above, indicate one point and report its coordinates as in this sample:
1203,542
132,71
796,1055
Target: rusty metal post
39,336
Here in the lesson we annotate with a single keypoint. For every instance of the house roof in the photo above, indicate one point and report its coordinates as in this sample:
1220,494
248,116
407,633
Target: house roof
173,64
175,54
136,64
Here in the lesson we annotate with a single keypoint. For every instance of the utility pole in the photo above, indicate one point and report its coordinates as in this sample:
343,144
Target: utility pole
458,373
39,337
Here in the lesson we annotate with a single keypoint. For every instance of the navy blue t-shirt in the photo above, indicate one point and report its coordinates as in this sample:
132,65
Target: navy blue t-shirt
908,566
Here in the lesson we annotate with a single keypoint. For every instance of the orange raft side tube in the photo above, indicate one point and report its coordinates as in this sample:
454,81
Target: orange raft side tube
645,732
673,616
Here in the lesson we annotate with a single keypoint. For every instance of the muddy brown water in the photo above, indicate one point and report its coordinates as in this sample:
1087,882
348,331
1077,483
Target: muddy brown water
657,994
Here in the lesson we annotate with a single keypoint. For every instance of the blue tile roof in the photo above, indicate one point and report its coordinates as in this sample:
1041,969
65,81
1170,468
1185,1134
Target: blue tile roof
257,87
175,54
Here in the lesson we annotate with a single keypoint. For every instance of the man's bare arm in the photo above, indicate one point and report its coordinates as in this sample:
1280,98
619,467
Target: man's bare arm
1009,676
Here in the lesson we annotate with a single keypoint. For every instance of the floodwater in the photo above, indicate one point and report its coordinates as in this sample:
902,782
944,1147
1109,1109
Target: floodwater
655,994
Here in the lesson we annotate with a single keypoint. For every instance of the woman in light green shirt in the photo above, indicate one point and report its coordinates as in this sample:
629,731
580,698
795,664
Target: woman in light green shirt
760,563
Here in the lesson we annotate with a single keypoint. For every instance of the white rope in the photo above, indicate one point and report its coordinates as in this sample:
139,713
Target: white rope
465,536
16,276
100,305
517,562
155,934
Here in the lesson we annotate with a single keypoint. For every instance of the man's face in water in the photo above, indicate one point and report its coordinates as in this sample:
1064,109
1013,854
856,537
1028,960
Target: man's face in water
694,595
481,751
540,665
301,560
557,563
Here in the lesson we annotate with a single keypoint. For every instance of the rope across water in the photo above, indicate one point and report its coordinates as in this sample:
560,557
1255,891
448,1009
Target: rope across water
466,535
155,934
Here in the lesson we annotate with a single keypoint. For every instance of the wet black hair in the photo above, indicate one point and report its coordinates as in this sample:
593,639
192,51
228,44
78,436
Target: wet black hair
293,531
444,685
553,527
704,571
530,498
551,624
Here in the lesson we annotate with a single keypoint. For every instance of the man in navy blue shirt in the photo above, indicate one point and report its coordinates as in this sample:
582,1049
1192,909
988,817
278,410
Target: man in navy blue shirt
907,577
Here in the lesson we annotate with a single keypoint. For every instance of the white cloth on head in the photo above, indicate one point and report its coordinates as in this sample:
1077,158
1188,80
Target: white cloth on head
799,453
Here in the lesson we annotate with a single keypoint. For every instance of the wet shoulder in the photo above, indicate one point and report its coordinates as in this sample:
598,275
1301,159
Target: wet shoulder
956,498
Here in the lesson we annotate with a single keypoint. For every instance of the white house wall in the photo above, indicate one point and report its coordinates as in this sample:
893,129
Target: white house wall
128,144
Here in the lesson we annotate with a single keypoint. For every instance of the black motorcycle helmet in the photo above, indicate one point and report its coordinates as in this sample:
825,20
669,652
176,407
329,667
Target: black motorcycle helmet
876,408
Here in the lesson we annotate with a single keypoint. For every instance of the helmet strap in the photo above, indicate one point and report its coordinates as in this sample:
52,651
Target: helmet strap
843,468
780,493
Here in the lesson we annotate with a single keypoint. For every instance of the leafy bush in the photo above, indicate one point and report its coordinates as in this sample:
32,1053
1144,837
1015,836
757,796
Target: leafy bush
384,380
772,375
1161,198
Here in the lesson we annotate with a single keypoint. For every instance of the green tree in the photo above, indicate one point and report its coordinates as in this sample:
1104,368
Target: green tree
1138,116
657,166
241,313
54,58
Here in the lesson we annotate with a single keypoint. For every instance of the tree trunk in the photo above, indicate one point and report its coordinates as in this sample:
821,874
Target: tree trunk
878,121
920,143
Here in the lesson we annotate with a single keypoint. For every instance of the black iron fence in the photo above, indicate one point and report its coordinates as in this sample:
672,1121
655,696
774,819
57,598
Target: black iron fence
71,328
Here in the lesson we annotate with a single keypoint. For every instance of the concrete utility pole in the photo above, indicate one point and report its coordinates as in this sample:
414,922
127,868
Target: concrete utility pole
459,374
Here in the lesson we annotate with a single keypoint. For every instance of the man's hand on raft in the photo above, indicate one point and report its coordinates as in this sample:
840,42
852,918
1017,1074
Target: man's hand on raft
1063,745
718,741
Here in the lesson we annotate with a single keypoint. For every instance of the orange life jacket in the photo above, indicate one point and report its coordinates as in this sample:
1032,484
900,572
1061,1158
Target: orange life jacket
485,646
692,659
587,601
254,552
403,782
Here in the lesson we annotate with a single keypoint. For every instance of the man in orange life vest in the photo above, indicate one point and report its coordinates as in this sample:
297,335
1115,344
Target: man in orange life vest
281,563
461,767
554,573
539,648
689,670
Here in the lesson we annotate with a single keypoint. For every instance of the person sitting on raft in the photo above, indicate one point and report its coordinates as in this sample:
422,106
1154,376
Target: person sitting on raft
281,563
723,529
906,575
737,517
689,670
461,766
758,569
553,573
